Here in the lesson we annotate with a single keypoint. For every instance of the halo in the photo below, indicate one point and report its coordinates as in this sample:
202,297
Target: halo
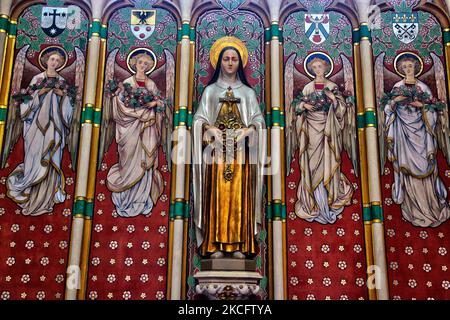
321,55
224,42
60,50
138,51
408,55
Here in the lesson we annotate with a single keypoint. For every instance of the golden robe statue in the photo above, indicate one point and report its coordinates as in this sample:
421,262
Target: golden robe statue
228,193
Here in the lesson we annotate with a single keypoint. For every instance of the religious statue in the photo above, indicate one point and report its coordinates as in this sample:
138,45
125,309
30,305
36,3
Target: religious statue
321,123
136,110
228,171
414,125
47,116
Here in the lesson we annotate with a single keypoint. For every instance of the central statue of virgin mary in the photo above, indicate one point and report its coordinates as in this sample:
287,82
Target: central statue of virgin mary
229,150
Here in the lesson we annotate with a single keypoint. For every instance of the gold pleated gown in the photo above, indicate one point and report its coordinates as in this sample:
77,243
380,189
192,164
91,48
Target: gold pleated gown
228,197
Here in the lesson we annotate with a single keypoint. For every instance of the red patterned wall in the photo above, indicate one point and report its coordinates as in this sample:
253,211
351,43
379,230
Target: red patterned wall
34,250
326,261
418,258
128,259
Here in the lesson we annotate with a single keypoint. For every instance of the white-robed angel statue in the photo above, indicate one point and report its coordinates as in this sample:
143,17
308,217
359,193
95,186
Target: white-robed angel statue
140,119
320,123
412,124
47,115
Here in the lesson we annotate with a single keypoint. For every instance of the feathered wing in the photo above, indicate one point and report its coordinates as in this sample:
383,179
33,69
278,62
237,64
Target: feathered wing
14,121
349,137
74,133
290,132
382,76
442,125
108,126
379,91
168,116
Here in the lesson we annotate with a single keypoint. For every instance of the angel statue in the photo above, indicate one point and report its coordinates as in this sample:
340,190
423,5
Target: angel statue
412,125
320,124
228,172
47,116
135,113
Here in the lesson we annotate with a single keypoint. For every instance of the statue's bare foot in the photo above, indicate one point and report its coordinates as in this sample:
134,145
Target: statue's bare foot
238,255
217,255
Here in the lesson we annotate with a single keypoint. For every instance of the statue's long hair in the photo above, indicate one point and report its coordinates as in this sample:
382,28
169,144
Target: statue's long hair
240,72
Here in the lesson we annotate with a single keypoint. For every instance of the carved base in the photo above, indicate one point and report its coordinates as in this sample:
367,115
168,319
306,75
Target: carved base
228,285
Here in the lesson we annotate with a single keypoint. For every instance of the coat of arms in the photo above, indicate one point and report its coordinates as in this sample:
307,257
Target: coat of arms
54,20
317,27
405,26
143,23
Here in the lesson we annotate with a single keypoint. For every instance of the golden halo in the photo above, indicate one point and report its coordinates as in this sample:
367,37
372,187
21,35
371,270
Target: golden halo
138,51
60,50
321,55
408,55
224,42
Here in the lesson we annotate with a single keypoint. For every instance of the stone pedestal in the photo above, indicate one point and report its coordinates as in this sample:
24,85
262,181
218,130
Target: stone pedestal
228,279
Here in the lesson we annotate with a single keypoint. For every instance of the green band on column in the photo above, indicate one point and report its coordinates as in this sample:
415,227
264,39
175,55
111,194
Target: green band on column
187,209
268,120
95,28
79,207
12,29
104,32
171,211
370,119
89,209
190,118
269,212
365,33
192,34
377,212
97,117
182,116
446,36
3,114
176,118
4,24
367,214
277,210
278,118
356,37
87,115
283,212
275,31
267,35
185,31
179,209
361,121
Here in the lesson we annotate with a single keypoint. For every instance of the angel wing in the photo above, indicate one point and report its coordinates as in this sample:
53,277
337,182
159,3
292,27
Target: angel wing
108,126
382,76
349,136
442,125
77,69
14,121
290,132
168,118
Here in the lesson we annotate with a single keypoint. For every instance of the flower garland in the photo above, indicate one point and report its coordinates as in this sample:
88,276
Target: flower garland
134,98
412,94
319,100
26,95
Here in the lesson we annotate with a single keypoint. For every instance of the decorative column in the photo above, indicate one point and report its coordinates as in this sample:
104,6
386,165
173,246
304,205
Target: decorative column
367,217
82,202
93,116
8,31
179,213
278,205
371,139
